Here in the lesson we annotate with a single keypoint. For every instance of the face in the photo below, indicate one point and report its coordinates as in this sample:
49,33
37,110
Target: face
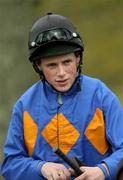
60,71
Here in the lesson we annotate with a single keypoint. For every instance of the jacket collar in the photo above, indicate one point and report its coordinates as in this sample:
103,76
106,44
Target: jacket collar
49,90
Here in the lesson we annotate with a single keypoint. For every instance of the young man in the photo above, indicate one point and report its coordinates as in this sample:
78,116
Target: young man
74,112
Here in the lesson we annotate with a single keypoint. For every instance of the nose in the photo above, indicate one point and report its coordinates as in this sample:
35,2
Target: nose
61,70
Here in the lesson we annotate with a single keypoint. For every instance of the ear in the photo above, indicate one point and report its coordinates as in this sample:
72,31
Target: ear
78,58
77,54
39,67
38,64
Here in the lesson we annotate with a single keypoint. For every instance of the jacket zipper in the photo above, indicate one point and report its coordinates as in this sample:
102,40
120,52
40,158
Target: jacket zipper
60,102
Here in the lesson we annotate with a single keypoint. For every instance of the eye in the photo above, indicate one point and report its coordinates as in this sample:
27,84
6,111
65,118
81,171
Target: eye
67,62
51,65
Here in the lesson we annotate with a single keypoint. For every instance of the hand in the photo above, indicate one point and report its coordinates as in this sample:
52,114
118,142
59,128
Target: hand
55,171
90,173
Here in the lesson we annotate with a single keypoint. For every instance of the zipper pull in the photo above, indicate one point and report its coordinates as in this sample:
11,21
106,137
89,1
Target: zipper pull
59,98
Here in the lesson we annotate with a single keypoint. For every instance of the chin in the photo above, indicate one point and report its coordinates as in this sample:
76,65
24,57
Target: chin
62,89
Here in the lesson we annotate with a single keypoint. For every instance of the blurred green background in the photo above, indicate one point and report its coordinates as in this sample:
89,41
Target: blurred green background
100,24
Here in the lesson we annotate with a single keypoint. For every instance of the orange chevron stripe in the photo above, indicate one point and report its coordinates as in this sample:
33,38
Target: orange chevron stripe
30,132
95,132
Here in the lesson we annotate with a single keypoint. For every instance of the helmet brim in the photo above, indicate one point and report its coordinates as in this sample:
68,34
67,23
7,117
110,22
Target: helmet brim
54,49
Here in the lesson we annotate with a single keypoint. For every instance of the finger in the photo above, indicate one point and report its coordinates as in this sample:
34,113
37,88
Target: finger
72,172
81,177
59,174
62,176
67,173
83,168
50,177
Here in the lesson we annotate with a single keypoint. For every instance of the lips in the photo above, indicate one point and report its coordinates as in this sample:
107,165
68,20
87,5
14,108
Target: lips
62,82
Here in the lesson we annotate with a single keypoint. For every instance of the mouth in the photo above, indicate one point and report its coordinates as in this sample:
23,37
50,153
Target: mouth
62,82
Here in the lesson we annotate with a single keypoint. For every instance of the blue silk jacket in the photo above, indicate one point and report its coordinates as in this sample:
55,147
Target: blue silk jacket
86,123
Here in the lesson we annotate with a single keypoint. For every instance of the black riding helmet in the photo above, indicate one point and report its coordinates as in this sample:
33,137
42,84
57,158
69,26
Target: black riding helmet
53,35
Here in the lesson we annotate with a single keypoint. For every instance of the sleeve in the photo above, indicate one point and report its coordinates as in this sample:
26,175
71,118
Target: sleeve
17,164
113,115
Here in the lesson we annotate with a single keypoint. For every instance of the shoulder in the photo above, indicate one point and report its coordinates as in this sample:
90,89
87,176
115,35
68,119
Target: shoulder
90,82
94,86
31,94
33,90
